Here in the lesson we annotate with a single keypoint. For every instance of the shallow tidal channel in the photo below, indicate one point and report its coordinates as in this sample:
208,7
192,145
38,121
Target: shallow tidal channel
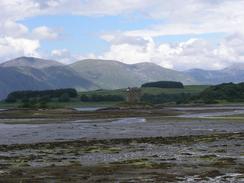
125,149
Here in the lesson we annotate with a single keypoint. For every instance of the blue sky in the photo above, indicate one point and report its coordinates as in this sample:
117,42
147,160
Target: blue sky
174,34
81,34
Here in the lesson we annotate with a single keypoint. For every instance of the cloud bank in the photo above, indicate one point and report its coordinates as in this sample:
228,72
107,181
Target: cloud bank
173,18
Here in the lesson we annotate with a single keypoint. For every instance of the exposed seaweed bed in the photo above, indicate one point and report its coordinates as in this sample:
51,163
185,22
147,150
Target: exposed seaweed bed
147,145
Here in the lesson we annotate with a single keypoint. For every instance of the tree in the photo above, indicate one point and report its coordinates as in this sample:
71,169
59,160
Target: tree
64,98
33,102
25,103
84,98
38,94
11,99
43,102
164,84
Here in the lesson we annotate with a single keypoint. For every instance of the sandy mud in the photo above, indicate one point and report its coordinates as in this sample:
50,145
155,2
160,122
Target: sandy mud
40,146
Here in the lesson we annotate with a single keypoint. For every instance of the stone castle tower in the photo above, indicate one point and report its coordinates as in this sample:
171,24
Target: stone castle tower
133,95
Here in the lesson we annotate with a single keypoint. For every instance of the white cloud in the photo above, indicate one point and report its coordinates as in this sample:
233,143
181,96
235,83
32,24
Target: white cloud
194,17
15,38
115,7
178,17
181,18
231,48
44,32
60,53
13,47
189,17
15,10
174,17
19,9
11,28
194,53
64,56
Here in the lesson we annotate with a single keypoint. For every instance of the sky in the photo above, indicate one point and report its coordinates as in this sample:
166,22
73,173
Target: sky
176,34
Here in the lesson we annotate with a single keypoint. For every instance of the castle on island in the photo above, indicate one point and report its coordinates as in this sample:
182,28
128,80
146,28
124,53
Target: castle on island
133,95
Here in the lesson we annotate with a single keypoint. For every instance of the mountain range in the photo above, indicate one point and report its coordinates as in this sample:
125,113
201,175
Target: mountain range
111,74
234,73
28,73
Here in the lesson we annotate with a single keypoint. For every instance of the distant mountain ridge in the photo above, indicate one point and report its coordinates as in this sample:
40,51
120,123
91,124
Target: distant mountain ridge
29,73
113,74
233,73
39,75
30,62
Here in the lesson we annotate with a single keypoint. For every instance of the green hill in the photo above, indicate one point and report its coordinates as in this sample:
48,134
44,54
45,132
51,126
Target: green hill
113,74
226,92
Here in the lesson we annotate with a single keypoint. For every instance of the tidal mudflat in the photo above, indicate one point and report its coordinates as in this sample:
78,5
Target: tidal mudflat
122,145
